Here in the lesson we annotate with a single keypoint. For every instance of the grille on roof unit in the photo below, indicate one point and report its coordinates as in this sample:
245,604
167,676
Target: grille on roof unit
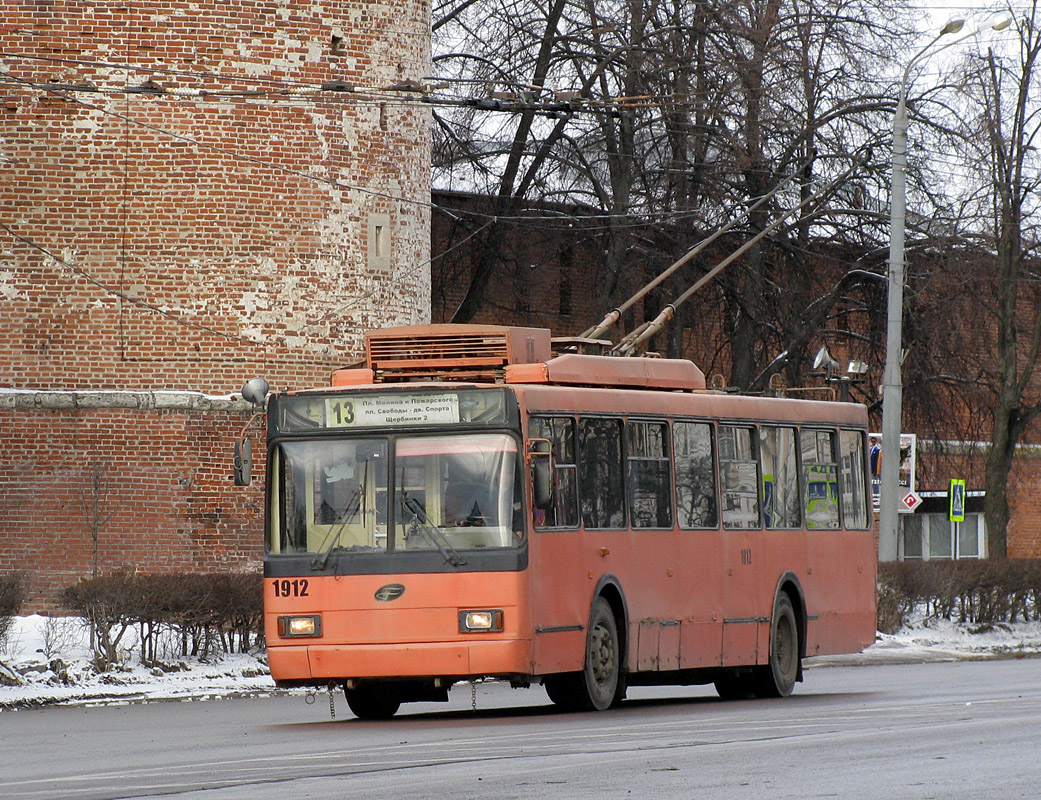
479,352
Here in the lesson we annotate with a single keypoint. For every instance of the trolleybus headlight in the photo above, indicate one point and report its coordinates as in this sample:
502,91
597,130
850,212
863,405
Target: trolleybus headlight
480,621
310,625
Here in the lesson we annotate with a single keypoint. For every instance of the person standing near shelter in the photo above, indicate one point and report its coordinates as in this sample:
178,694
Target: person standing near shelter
875,457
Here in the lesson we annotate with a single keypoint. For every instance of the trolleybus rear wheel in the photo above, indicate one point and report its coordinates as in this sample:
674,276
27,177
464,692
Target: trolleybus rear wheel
371,701
777,679
601,675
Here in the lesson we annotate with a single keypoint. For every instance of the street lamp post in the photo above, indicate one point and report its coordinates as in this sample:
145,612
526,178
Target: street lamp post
892,387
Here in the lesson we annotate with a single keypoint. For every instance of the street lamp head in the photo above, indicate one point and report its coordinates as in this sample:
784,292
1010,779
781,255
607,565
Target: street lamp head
1001,22
953,26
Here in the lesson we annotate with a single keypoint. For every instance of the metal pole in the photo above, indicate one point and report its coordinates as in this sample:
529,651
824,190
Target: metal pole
892,386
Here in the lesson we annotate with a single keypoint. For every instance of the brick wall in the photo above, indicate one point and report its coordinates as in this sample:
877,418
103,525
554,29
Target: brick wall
544,276
209,225
151,478
188,239
1024,530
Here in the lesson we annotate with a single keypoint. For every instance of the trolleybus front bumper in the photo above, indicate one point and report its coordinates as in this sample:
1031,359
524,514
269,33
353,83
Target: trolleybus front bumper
323,663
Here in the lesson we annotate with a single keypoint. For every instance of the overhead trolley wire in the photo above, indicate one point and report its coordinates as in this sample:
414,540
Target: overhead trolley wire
455,213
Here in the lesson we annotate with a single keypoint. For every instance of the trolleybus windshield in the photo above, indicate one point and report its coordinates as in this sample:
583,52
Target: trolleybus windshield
448,492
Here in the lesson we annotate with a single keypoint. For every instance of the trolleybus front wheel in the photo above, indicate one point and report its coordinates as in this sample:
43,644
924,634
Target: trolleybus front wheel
372,701
600,684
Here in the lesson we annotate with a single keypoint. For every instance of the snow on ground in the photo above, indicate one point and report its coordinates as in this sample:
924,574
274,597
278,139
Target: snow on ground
924,638
46,660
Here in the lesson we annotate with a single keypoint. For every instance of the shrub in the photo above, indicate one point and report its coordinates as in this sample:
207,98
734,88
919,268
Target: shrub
12,595
108,605
977,592
203,614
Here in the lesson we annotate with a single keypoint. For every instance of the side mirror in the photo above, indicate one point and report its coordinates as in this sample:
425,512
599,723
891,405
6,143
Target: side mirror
254,391
541,474
243,461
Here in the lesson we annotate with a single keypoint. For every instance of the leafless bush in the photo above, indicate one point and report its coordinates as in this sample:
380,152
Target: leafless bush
977,592
12,594
202,614
59,635
108,605
892,606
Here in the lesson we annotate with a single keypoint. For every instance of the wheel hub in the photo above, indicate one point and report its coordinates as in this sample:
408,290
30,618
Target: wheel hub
601,655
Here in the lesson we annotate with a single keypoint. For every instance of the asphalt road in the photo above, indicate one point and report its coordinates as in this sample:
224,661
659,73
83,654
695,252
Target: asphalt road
893,732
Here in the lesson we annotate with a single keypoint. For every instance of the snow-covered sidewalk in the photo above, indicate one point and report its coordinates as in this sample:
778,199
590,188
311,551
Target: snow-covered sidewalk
47,661
929,639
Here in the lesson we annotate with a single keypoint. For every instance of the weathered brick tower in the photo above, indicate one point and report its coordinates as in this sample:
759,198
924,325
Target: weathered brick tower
192,194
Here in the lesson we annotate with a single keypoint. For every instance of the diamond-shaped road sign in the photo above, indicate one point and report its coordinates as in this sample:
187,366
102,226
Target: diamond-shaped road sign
911,500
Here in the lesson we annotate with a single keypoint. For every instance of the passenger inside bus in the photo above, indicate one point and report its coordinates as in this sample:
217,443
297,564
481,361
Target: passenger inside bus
465,505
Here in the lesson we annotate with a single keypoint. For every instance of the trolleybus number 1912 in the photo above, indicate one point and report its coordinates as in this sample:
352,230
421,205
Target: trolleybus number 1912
291,588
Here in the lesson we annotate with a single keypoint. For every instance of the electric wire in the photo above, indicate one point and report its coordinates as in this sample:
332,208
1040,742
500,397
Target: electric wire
624,218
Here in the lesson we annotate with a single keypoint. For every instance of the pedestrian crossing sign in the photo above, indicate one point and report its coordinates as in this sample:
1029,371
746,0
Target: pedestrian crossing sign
956,500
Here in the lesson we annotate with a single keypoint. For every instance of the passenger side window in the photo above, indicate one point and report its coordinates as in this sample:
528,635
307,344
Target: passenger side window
696,505
560,431
820,479
650,487
600,473
854,484
739,476
781,506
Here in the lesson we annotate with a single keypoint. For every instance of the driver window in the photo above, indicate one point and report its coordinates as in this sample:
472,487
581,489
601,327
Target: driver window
560,431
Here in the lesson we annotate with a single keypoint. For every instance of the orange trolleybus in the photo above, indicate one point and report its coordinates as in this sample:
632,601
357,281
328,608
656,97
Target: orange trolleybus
470,505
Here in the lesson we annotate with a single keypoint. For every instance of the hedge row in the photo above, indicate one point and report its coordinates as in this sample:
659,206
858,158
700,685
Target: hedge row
975,592
202,614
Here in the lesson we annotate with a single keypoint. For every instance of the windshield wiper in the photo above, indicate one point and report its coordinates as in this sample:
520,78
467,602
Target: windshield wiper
421,524
321,557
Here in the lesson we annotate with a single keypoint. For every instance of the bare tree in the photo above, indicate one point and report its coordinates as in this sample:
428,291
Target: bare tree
675,116
1002,141
98,506
506,53
803,105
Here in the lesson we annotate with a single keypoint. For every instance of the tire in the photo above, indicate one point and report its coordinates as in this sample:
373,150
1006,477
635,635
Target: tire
735,687
372,702
778,677
600,684
562,690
